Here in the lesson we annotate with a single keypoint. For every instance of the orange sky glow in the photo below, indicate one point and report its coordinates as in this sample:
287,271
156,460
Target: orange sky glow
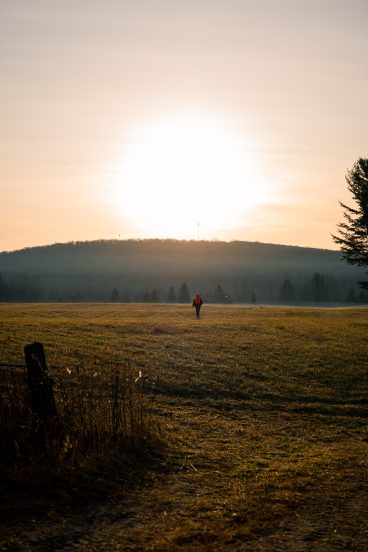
226,120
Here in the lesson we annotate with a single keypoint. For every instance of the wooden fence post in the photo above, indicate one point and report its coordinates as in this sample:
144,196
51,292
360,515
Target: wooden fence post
39,383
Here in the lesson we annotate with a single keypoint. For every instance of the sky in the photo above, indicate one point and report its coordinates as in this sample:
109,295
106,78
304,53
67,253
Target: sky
203,119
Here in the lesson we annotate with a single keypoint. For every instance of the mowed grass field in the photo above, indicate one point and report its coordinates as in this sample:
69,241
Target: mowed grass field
264,415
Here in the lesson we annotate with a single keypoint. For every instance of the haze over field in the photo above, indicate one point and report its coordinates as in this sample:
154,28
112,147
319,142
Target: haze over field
171,271
229,120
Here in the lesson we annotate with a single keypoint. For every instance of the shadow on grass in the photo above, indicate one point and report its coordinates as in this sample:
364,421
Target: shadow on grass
71,488
262,401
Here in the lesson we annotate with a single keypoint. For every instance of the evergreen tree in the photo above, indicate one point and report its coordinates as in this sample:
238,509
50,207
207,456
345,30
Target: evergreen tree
219,294
353,233
125,296
3,289
115,297
146,296
183,295
287,294
154,296
318,289
351,298
171,297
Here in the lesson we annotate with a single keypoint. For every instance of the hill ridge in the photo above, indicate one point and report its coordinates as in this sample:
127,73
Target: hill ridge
139,269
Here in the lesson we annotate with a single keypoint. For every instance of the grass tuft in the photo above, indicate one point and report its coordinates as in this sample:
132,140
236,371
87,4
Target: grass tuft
102,415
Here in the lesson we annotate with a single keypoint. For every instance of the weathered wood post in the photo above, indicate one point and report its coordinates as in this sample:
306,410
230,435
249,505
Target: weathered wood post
39,383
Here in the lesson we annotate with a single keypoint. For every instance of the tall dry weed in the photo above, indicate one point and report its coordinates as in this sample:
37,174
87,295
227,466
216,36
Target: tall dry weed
98,413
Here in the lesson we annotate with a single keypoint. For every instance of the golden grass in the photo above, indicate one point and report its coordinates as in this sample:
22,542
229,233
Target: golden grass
264,410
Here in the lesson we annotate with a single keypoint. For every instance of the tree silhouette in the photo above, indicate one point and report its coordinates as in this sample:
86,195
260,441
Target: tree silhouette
351,297
363,296
287,293
3,289
171,297
146,296
115,297
154,296
318,288
183,295
353,233
219,294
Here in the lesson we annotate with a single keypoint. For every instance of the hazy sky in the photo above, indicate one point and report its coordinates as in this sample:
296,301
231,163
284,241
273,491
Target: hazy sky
227,119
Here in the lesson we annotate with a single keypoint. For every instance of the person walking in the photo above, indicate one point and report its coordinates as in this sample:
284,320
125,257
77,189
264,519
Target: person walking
197,303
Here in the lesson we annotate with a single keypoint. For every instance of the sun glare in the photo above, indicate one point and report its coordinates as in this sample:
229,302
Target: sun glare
186,171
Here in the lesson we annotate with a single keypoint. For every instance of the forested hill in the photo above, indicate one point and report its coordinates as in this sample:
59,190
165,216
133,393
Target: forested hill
136,270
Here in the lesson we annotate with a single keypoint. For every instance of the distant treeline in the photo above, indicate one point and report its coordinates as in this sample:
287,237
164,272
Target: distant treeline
172,271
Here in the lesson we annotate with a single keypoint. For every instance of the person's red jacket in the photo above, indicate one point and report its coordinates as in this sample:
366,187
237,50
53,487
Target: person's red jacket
197,300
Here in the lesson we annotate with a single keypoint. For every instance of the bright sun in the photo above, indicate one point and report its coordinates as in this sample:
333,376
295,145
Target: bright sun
186,171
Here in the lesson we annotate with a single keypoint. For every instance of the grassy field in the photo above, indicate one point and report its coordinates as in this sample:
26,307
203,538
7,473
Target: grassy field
264,412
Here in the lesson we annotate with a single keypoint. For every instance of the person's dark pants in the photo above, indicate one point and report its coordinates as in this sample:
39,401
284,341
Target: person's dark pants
197,308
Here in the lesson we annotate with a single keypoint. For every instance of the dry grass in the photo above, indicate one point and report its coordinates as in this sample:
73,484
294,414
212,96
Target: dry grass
103,419
264,410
